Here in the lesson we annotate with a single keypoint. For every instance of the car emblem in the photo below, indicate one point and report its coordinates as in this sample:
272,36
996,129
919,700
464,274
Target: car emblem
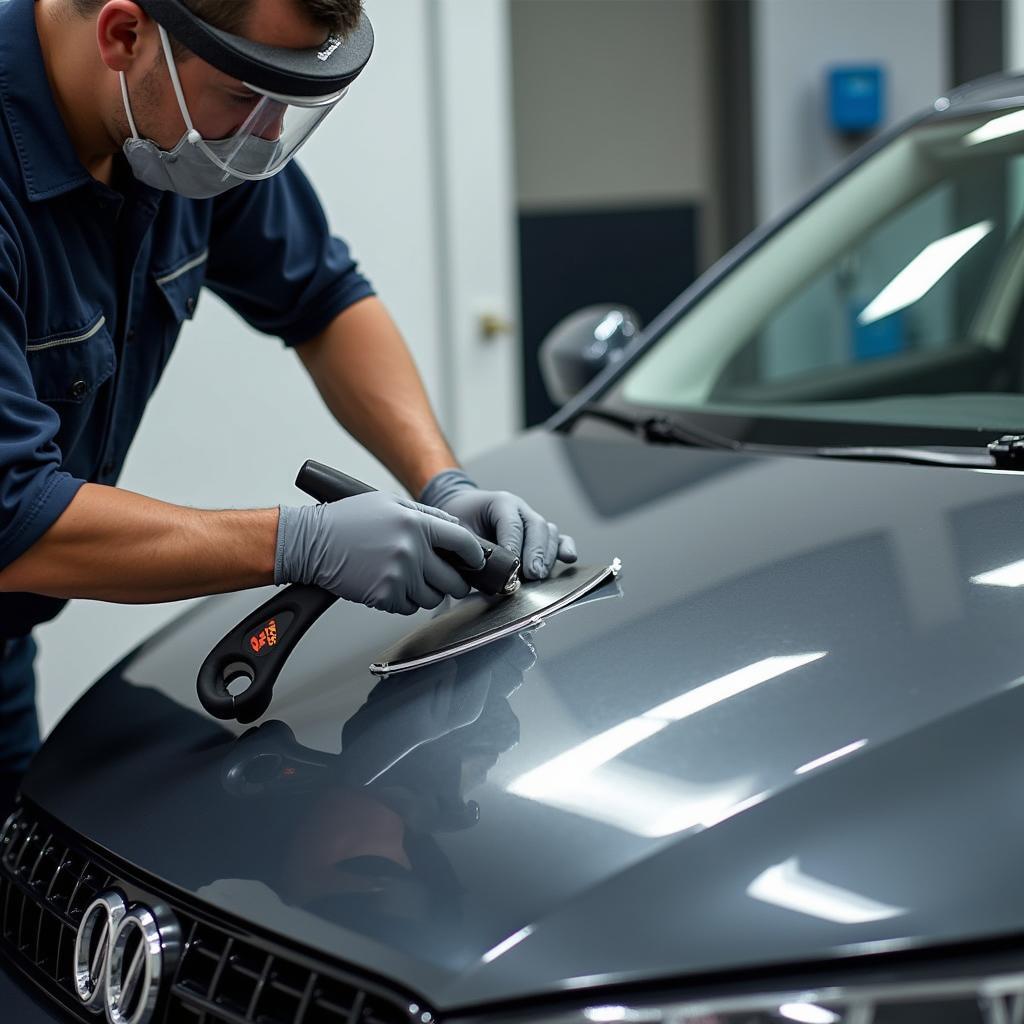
118,959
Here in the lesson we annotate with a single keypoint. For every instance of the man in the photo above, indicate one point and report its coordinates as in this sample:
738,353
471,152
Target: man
145,152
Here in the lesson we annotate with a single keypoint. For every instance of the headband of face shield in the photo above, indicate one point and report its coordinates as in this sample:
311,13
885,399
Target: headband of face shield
317,71
273,129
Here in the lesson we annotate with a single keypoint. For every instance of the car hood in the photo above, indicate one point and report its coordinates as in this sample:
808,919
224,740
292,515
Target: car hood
790,731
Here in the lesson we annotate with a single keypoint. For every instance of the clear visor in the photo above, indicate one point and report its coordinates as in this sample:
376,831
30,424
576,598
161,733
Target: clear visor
268,138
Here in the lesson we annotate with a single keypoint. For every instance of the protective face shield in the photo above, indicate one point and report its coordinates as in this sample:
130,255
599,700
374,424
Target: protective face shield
293,91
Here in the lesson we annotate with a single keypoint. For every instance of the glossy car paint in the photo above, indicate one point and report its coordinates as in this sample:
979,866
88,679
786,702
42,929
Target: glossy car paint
655,799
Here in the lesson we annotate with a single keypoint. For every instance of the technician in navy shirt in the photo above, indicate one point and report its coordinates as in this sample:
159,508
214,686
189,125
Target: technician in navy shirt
145,153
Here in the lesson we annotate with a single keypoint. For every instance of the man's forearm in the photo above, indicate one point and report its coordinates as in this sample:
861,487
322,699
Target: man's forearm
114,545
366,375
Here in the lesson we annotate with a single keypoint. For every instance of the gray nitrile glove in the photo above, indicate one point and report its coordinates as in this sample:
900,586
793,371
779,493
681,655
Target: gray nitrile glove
504,518
377,549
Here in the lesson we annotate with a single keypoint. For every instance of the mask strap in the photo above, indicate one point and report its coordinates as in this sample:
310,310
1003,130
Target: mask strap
172,68
127,105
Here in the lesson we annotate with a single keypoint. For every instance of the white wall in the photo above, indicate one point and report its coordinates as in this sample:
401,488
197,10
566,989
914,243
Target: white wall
795,41
612,103
217,437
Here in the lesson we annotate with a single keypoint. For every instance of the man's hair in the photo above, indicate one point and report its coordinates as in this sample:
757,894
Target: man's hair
339,16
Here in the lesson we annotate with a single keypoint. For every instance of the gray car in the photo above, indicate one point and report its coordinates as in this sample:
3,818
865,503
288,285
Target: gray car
772,773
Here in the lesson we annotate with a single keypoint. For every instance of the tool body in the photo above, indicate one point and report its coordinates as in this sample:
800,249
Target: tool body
479,620
252,654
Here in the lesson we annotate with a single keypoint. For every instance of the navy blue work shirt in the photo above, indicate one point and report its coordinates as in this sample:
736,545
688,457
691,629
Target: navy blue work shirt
95,284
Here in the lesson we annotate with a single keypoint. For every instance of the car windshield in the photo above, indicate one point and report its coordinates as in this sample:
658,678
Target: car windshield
894,300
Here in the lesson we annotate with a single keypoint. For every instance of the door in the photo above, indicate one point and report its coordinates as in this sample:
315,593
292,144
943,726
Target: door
477,239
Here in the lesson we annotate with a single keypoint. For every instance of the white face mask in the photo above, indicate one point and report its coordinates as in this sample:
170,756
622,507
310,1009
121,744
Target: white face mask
199,168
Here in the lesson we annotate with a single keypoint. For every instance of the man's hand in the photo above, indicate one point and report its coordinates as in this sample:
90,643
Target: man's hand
504,518
376,549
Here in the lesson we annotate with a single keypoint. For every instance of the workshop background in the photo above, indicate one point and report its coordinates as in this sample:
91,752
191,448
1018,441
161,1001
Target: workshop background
500,164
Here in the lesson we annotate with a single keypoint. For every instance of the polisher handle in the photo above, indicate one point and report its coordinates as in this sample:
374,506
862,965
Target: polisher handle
256,650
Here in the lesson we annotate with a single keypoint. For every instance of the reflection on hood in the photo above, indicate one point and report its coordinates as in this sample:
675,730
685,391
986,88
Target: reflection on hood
362,851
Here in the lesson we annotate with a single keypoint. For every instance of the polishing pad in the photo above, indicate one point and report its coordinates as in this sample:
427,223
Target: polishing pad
479,619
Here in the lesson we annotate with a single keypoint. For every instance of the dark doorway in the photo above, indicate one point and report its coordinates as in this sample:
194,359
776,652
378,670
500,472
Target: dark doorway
976,39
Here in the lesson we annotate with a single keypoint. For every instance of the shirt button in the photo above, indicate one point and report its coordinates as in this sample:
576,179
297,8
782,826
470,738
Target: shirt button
190,305
108,468
79,388
130,336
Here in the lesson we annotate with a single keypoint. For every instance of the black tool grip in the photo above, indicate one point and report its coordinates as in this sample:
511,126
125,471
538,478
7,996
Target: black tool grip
500,567
256,649
325,483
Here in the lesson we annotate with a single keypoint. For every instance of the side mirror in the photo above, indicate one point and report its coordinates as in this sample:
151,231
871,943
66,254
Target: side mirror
582,345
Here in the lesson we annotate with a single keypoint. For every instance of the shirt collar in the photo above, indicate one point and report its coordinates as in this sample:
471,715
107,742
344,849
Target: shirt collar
49,163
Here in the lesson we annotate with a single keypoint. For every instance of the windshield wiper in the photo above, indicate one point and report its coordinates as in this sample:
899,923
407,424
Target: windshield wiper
976,457
661,429
1006,453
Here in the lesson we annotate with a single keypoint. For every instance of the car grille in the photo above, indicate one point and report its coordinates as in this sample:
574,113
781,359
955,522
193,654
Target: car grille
221,978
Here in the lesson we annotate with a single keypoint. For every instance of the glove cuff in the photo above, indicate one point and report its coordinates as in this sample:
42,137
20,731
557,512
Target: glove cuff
444,486
296,529
284,515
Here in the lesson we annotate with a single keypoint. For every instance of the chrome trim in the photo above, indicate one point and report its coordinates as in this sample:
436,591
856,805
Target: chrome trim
102,981
534,620
90,971
122,985
8,827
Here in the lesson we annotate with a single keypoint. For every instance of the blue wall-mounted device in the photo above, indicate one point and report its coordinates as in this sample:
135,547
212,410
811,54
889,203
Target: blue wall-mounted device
856,98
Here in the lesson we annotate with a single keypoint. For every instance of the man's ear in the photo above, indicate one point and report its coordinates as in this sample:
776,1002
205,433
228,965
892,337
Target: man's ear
124,33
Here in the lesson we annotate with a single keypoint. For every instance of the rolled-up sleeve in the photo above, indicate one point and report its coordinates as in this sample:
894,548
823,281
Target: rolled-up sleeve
274,261
34,491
